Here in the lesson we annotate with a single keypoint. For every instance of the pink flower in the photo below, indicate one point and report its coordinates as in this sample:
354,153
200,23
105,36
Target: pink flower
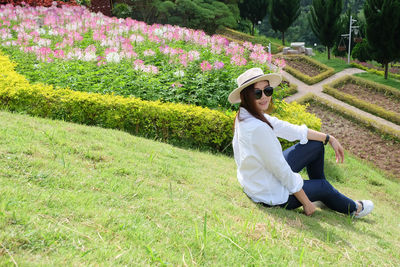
177,84
148,52
238,60
205,66
280,62
218,65
183,59
59,53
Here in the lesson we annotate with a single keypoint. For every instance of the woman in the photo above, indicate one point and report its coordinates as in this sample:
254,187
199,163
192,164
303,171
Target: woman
267,174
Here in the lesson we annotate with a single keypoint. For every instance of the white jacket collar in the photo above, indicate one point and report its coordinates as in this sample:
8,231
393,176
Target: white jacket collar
244,114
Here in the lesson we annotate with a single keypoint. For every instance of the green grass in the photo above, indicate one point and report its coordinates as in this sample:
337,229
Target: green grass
380,79
79,195
336,63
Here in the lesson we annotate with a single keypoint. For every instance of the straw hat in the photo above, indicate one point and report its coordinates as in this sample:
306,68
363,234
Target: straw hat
249,77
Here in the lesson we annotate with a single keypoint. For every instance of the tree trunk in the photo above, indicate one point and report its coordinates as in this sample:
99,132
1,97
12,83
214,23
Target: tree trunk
329,53
283,38
252,28
386,70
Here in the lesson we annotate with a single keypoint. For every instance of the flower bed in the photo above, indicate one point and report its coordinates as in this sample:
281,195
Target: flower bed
306,69
91,52
358,139
377,99
178,124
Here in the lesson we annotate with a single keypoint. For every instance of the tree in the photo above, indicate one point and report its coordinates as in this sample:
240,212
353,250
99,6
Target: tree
207,15
323,19
282,15
253,10
383,30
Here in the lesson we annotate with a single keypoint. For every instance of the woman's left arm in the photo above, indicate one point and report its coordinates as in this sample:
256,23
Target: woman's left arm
318,136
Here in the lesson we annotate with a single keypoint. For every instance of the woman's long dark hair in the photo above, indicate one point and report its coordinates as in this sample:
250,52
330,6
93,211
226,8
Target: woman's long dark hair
247,101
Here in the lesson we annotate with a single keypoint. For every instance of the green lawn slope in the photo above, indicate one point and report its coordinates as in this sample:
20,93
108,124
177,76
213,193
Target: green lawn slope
79,195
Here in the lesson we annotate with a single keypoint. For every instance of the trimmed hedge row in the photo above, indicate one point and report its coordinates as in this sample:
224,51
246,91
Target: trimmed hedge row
352,115
178,124
378,72
332,90
325,70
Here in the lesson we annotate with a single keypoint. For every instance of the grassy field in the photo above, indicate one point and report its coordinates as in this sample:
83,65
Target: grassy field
79,195
336,63
380,79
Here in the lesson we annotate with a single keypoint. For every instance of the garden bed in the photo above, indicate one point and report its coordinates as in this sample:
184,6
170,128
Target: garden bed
306,69
303,66
371,96
381,100
359,140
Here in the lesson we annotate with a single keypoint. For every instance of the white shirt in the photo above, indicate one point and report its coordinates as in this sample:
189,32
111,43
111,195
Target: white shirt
262,170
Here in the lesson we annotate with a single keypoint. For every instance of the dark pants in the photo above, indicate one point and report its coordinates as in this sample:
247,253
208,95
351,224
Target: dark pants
311,157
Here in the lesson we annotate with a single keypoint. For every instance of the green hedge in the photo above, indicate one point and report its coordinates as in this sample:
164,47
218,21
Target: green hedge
378,72
178,124
325,70
240,37
354,116
332,90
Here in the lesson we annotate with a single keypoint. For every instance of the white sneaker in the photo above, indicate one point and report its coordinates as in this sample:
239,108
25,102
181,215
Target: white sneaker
367,207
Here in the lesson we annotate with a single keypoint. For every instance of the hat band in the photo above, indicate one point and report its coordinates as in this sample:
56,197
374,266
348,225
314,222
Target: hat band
255,77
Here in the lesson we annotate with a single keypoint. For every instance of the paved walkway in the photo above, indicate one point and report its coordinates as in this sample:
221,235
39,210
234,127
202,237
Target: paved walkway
303,89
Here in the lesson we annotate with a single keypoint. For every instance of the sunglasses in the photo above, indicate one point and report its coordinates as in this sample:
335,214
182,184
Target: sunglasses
267,92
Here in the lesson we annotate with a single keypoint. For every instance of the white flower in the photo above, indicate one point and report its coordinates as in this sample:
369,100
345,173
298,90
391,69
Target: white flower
89,56
179,73
113,57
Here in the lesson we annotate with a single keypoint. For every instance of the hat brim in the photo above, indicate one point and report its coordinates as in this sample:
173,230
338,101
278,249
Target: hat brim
273,78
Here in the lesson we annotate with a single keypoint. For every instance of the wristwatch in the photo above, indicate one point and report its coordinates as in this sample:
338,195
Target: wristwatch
326,139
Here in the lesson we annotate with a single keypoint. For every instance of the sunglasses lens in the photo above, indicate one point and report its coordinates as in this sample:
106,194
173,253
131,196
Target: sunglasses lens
268,91
258,94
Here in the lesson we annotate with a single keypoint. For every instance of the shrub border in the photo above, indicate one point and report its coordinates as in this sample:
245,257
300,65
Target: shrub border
354,116
327,71
377,72
179,124
175,123
366,106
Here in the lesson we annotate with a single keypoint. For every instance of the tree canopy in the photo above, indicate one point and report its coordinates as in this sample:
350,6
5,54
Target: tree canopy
383,30
207,15
324,21
254,11
282,15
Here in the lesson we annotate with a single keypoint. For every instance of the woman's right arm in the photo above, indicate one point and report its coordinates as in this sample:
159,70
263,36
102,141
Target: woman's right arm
309,207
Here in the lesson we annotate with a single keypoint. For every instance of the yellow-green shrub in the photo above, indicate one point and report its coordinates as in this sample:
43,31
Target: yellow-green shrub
378,72
325,70
332,90
296,113
174,123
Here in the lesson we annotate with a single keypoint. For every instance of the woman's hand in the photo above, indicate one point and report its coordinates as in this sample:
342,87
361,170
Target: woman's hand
339,151
309,208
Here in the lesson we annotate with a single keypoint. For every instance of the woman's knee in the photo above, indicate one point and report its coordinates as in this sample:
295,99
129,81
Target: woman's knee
316,145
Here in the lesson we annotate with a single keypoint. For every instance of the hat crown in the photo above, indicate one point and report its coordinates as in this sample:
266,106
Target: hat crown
249,75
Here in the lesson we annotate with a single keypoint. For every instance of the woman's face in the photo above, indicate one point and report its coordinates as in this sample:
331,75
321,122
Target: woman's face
262,103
